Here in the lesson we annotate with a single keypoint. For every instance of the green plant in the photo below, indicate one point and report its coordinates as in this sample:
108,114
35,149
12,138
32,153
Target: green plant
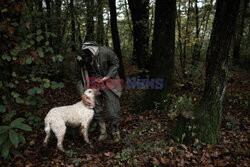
22,87
147,143
127,156
71,153
194,71
135,99
231,125
169,101
34,120
76,161
10,138
181,105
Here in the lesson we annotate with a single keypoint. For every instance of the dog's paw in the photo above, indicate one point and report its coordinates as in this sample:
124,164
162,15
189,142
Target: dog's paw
61,149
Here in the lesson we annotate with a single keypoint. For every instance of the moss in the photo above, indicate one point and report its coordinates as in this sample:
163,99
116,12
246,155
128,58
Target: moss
205,127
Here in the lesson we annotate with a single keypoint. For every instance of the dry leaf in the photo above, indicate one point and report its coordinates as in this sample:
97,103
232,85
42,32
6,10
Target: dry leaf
156,161
171,149
33,53
109,154
171,141
164,161
183,146
28,165
27,25
32,142
196,141
219,163
11,30
209,147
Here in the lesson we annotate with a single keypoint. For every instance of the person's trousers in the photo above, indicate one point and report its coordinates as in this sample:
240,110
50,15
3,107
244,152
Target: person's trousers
112,106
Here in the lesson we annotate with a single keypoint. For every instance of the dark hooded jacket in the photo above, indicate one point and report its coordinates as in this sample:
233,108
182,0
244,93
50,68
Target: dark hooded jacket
107,64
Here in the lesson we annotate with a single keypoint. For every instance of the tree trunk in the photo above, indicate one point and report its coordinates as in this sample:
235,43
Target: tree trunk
90,21
106,38
79,32
187,36
151,26
196,54
162,60
127,15
100,26
239,33
58,23
179,34
49,26
205,121
246,57
140,19
42,23
115,36
203,34
73,27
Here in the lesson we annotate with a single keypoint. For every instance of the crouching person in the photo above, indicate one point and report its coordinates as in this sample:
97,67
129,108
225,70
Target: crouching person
100,63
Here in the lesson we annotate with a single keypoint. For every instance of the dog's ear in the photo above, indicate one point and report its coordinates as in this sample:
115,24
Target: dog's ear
97,92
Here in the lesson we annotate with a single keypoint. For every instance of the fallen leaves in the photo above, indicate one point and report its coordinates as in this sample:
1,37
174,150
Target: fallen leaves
11,30
164,160
109,154
185,147
232,149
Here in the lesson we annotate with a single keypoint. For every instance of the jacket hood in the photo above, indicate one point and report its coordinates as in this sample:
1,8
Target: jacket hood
91,45
93,49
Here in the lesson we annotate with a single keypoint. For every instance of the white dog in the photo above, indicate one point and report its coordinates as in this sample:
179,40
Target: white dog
74,115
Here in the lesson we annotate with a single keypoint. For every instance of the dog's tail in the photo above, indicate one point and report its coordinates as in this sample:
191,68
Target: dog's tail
47,127
47,130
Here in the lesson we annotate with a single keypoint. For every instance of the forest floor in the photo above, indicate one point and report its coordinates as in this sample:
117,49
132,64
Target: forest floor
145,135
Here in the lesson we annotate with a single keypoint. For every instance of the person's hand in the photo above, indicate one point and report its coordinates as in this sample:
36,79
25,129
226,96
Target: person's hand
101,80
85,100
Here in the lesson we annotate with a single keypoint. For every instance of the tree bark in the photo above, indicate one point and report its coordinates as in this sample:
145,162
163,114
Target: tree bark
205,120
90,21
196,54
73,29
247,45
115,36
151,25
49,26
206,24
42,23
140,19
107,26
100,26
239,33
179,34
127,15
79,32
162,59
58,30
187,36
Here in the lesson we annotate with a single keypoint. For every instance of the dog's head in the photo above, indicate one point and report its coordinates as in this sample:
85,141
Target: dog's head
92,93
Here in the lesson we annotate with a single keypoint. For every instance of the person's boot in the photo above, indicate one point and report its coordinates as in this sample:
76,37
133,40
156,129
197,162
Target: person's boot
103,133
116,133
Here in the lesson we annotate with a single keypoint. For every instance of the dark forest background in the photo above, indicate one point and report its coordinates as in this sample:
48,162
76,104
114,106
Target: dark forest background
199,47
